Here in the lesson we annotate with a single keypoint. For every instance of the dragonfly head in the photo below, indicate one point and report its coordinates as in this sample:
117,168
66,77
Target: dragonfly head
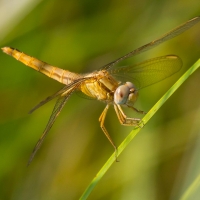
126,94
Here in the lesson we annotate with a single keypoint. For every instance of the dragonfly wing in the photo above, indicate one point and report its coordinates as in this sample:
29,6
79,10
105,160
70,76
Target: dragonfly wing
63,90
148,72
56,111
171,34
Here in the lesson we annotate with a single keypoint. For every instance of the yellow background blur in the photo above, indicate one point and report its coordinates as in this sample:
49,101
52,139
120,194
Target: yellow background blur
81,36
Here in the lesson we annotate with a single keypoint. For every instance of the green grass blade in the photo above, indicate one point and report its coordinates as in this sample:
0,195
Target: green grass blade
191,189
134,132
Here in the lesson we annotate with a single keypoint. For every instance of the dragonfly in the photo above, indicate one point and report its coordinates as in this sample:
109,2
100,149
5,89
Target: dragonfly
114,85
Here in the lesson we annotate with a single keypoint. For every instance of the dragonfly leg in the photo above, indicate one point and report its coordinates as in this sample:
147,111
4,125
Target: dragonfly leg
123,119
138,111
101,120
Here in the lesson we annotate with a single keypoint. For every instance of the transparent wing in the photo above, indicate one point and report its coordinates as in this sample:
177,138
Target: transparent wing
63,90
173,33
56,111
148,72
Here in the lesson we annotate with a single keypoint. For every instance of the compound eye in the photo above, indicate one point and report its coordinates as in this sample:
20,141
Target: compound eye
121,94
130,85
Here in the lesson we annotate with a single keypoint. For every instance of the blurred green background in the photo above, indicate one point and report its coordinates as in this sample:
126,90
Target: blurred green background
81,36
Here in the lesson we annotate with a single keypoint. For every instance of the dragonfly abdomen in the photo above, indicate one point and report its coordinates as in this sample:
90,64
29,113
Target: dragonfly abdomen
61,75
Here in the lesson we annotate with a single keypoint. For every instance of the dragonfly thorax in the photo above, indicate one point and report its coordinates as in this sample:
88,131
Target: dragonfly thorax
125,94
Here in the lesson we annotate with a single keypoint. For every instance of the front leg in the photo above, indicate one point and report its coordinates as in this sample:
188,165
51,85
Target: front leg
135,109
123,119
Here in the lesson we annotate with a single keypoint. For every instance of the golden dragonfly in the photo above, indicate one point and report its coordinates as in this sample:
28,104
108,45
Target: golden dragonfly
113,85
